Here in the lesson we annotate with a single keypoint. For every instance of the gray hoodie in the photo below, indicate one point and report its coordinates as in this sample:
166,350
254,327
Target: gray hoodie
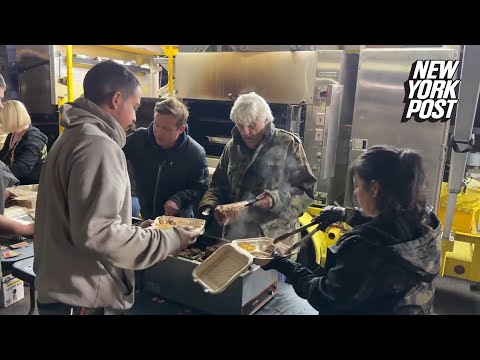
85,246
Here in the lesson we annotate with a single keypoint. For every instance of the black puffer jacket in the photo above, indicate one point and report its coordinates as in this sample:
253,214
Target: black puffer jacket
179,174
28,157
384,266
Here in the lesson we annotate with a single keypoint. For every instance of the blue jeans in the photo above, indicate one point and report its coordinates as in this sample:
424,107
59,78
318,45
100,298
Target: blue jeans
135,207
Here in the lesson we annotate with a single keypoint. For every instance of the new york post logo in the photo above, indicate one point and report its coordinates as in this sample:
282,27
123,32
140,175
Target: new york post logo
430,91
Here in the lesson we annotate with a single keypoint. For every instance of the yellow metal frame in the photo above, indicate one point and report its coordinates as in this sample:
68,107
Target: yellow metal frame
140,50
70,73
61,99
170,51
461,256
463,221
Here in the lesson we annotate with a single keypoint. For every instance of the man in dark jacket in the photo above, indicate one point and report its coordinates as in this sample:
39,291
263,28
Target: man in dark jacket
170,168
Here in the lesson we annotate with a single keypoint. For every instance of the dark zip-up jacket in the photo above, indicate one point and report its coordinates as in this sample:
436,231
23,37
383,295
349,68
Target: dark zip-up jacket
179,174
28,157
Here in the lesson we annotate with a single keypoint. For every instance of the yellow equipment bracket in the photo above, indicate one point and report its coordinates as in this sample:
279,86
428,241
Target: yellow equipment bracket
70,73
461,257
170,51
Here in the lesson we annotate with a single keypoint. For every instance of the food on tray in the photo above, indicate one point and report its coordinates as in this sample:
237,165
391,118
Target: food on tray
169,221
164,221
162,226
261,255
247,246
188,253
229,210
196,251
269,249
210,250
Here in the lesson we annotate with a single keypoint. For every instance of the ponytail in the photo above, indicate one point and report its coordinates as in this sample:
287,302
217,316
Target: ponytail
401,178
414,197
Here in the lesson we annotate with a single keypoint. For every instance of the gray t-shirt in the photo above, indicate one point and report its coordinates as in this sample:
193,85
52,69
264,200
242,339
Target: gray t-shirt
8,179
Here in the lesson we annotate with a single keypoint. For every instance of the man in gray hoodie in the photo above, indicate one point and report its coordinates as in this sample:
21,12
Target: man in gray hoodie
86,249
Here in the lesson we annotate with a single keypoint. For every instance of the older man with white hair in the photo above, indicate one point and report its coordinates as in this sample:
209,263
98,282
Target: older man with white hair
263,162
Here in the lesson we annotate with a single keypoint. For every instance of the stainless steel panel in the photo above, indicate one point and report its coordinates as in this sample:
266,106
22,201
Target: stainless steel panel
258,280
51,57
332,113
33,65
294,118
282,77
379,107
348,78
249,48
3,62
327,72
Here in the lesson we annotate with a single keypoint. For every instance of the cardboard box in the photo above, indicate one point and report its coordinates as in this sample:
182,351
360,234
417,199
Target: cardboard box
27,201
11,290
25,195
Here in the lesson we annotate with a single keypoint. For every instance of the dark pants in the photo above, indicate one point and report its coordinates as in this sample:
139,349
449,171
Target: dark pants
135,207
64,309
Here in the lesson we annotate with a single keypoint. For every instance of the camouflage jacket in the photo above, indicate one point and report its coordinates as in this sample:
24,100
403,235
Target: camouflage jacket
279,167
381,267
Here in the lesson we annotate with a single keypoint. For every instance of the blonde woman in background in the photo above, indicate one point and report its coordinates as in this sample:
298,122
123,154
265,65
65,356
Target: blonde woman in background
7,179
25,147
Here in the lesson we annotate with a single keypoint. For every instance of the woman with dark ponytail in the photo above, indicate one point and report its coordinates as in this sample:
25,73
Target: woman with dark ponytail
387,263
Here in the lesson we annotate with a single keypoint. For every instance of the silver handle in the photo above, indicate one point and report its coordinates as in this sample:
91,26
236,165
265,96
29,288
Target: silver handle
332,120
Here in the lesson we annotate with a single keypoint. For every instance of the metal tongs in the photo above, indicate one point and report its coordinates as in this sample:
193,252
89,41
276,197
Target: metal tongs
294,231
304,240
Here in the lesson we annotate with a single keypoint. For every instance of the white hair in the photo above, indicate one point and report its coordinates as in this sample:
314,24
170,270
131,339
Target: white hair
249,109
